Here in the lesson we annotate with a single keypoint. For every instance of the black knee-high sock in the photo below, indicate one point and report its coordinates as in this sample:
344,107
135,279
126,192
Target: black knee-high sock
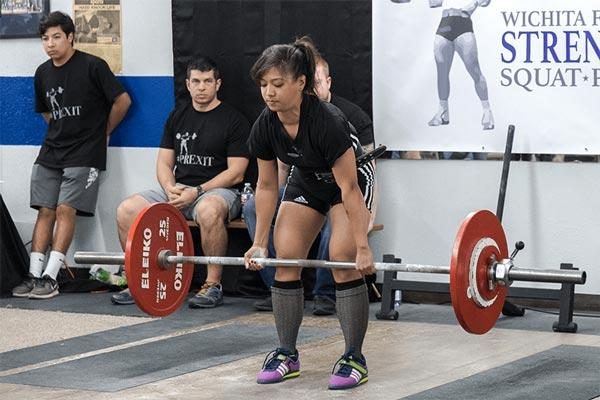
352,305
288,309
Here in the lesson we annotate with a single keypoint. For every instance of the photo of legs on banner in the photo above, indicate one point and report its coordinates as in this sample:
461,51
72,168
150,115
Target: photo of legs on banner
455,35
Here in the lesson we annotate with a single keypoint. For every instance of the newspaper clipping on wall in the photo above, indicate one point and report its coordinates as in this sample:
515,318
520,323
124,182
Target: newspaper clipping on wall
98,30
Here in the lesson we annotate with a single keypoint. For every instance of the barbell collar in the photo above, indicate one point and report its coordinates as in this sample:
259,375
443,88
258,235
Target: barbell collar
498,271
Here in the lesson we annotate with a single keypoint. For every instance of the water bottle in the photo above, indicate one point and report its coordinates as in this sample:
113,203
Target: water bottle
105,276
247,194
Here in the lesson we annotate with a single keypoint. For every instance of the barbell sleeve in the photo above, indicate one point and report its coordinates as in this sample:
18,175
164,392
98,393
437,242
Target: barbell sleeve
547,275
94,257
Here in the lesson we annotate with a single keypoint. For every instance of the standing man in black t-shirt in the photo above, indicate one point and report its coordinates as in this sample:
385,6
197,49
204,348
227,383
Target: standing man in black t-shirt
82,102
201,163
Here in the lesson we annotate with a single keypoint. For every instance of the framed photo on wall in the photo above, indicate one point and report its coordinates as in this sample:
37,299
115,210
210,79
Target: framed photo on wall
20,18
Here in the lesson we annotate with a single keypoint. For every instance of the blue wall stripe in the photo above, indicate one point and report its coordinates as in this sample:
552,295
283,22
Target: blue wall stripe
19,124
152,96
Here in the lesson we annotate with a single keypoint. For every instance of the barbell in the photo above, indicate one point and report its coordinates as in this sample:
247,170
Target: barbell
159,249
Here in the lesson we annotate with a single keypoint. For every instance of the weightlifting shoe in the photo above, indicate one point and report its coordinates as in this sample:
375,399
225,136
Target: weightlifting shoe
24,288
210,295
44,288
487,120
351,372
279,365
442,117
122,298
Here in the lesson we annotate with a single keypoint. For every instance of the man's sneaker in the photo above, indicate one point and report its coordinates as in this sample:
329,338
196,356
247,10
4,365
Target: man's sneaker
323,305
44,288
122,298
24,288
279,365
351,372
210,295
264,304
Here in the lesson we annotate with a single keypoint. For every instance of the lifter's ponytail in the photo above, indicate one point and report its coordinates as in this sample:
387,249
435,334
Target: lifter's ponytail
310,56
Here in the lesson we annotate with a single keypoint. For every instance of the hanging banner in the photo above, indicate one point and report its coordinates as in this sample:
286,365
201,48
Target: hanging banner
451,75
98,30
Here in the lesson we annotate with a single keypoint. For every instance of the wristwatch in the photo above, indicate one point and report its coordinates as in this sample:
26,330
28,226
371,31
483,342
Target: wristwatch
199,190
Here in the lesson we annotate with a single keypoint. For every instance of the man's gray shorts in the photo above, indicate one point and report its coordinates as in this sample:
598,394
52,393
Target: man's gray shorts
76,187
231,197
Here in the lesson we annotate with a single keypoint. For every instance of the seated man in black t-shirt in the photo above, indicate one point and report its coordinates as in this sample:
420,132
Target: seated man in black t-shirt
82,102
201,163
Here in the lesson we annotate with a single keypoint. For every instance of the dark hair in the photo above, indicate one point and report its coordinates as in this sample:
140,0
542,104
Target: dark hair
56,18
203,64
297,59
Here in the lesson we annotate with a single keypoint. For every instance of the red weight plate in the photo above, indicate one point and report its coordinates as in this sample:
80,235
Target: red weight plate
158,291
477,305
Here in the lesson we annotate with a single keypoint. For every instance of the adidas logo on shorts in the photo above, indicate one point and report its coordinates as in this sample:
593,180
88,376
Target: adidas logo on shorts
300,199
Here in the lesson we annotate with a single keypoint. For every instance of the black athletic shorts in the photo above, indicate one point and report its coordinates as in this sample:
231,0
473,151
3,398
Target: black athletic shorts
305,188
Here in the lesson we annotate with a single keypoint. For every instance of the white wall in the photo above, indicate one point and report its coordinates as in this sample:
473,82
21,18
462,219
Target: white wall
552,207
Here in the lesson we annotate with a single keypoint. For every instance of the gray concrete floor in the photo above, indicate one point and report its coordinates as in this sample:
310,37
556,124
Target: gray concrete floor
423,350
